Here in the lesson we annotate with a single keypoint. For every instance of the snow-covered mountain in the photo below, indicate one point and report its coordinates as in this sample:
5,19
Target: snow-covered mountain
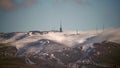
64,48
68,38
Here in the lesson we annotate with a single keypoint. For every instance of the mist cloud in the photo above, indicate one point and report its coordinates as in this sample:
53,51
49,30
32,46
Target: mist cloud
79,2
8,5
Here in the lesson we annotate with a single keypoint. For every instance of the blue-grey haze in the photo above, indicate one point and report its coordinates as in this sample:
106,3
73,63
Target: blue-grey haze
47,14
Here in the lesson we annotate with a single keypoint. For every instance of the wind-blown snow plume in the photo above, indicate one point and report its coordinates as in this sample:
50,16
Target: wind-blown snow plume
68,38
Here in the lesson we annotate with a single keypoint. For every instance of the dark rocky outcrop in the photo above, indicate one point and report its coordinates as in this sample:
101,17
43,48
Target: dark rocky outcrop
7,35
7,51
106,53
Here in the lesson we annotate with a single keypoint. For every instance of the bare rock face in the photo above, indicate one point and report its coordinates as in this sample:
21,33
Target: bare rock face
107,53
7,35
9,59
104,55
7,51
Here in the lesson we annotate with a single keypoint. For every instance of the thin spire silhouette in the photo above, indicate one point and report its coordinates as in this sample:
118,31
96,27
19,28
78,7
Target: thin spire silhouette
61,26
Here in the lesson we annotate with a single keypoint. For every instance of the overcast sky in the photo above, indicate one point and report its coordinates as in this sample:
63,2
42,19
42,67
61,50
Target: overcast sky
27,15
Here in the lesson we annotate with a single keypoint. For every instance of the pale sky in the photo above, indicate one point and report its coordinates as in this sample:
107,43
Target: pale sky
28,15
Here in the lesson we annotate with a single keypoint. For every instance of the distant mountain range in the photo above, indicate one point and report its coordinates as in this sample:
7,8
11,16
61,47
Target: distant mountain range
54,49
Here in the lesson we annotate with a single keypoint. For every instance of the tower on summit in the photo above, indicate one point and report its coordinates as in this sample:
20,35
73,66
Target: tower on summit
61,27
